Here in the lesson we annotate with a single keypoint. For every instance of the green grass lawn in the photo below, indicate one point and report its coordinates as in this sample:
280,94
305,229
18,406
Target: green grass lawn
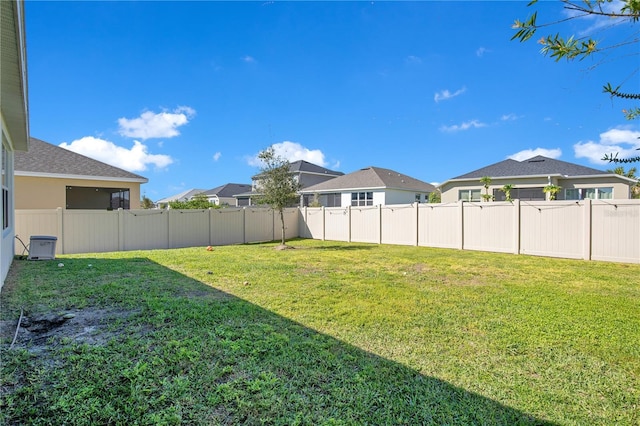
329,333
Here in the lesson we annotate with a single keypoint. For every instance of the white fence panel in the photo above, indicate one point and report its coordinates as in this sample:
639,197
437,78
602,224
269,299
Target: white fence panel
601,229
37,222
258,225
488,227
399,224
312,223
188,228
336,224
145,229
90,231
291,224
615,231
365,224
227,226
552,228
439,225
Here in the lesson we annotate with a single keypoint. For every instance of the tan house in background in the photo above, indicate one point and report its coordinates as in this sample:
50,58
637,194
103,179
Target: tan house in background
528,179
48,177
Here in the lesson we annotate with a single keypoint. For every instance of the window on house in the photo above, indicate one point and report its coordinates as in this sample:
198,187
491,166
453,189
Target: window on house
362,198
82,197
469,195
524,194
331,200
590,193
418,198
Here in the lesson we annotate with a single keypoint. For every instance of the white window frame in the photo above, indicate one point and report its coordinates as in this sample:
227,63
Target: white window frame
362,198
593,193
468,195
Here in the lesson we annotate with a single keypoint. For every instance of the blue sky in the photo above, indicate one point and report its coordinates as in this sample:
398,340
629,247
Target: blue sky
187,93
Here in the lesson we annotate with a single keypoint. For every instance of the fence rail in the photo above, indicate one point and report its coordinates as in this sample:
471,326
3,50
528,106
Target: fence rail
94,231
590,229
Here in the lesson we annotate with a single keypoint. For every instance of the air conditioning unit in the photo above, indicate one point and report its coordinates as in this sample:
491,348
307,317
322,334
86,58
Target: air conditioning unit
42,247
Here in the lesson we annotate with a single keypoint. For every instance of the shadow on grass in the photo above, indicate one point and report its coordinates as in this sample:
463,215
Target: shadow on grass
188,353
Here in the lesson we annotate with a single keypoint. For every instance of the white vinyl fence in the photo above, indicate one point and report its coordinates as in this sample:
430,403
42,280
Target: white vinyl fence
590,229
93,231
606,230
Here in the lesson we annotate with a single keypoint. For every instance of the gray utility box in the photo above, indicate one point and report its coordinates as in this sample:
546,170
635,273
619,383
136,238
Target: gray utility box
42,247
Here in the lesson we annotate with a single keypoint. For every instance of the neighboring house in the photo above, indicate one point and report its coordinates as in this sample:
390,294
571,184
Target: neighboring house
369,187
529,177
183,196
307,174
224,195
49,176
14,117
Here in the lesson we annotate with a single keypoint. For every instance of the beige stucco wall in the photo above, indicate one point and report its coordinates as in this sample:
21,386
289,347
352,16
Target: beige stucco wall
621,190
50,193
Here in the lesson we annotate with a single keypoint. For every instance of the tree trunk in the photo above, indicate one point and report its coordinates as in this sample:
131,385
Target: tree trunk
282,222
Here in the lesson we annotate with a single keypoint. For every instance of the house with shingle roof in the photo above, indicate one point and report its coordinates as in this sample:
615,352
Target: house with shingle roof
529,177
307,174
370,186
182,196
48,177
223,195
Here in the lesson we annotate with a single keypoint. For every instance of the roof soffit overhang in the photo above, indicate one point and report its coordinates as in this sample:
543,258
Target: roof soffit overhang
13,71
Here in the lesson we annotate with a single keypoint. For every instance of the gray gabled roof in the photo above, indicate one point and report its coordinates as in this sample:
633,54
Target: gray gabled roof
305,166
229,189
371,178
45,159
302,166
183,196
535,166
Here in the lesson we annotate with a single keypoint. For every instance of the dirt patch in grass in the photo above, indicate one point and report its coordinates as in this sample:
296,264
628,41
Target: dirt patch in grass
40,333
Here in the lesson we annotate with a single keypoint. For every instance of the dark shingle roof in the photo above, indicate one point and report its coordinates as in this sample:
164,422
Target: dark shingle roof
302,166
372,177
229,189
535,166
305,166
46,158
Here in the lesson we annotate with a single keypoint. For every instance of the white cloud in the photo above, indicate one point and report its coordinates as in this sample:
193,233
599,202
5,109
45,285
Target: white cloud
596,22
473,124
135,159
528,153
248,59
217,156
481,51
411,59
509,117
620,140
293,151
156,125
444,95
